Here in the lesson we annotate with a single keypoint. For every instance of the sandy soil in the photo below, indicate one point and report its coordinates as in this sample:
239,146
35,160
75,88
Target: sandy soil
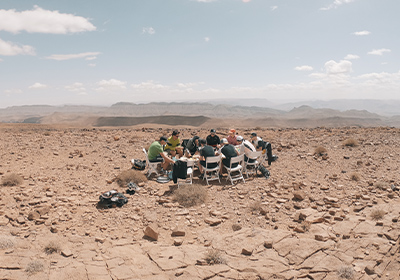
330,216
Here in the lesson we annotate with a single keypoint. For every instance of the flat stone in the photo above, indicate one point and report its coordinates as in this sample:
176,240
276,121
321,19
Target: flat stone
299,195
66,253
247,251
178,232
212,221
33,216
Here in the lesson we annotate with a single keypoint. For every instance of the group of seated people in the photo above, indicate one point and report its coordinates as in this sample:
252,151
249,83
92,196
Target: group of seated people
166,150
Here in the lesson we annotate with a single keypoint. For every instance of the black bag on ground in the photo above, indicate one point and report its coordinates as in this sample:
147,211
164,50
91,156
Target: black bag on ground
138,164
264,171
111,198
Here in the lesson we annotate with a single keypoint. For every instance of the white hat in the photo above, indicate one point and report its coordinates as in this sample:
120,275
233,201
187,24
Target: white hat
224,140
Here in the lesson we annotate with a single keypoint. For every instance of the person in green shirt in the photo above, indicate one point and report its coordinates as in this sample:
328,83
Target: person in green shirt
174,144
156,153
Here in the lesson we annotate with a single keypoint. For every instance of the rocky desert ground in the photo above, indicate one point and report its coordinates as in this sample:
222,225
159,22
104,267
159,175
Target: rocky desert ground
330,209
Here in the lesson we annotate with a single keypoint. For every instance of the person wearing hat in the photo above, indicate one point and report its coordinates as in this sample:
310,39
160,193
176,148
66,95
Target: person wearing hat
173,145
193,145
156,153
232,138
229,152
257,142
213,139
263,146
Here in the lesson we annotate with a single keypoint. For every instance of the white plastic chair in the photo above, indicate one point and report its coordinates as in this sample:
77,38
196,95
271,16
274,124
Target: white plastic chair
152,166
238,168
253,165
213,171
189,174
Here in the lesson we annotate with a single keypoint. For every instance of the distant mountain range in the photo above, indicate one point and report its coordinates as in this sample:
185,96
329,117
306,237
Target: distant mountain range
299,114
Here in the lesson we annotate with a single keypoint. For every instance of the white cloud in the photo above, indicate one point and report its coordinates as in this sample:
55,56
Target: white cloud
38,86
246,1
303,68
273,8
10,49
205,1
361,33
13,91
92,64
351,56
336,4
90,58
332,67
111,85
148,30
77,87
207,39
148,85
379,52
86,55
39,20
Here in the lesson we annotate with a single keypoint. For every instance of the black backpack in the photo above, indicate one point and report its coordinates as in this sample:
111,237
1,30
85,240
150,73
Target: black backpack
111,198
264,171
138,164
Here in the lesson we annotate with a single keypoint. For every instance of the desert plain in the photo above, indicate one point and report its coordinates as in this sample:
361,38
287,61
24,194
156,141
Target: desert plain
330,209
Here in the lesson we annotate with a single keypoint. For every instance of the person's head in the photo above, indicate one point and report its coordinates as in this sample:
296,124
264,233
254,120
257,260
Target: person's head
232,132
239,139
203,142
196,140
224,141
163,140
175,134
212,132
253,135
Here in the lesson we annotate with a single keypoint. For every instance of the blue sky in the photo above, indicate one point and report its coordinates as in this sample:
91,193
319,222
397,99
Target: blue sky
100,52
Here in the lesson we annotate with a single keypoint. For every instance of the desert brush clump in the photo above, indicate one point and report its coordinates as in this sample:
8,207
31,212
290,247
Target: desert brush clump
214,256
354,176
131,175
190,195
320,151
377,214
34,267
255,207
6,243
346,272
11,180
351,142
381,185
52,247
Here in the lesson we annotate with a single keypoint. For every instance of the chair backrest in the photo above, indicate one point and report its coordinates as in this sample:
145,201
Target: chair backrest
237,159
147,157
253,155
213,160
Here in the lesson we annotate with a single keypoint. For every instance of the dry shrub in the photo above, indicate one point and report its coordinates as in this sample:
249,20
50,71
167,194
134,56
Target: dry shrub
351,142
6,243
381,185
377,214
131,175
190,195
52,247
214,256
355,176
346,272
34,267
320,151
11,180
255,207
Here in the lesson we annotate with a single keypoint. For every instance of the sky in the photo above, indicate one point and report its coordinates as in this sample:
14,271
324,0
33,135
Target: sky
100,52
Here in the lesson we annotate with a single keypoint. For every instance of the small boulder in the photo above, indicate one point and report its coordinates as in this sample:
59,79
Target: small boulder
151,232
